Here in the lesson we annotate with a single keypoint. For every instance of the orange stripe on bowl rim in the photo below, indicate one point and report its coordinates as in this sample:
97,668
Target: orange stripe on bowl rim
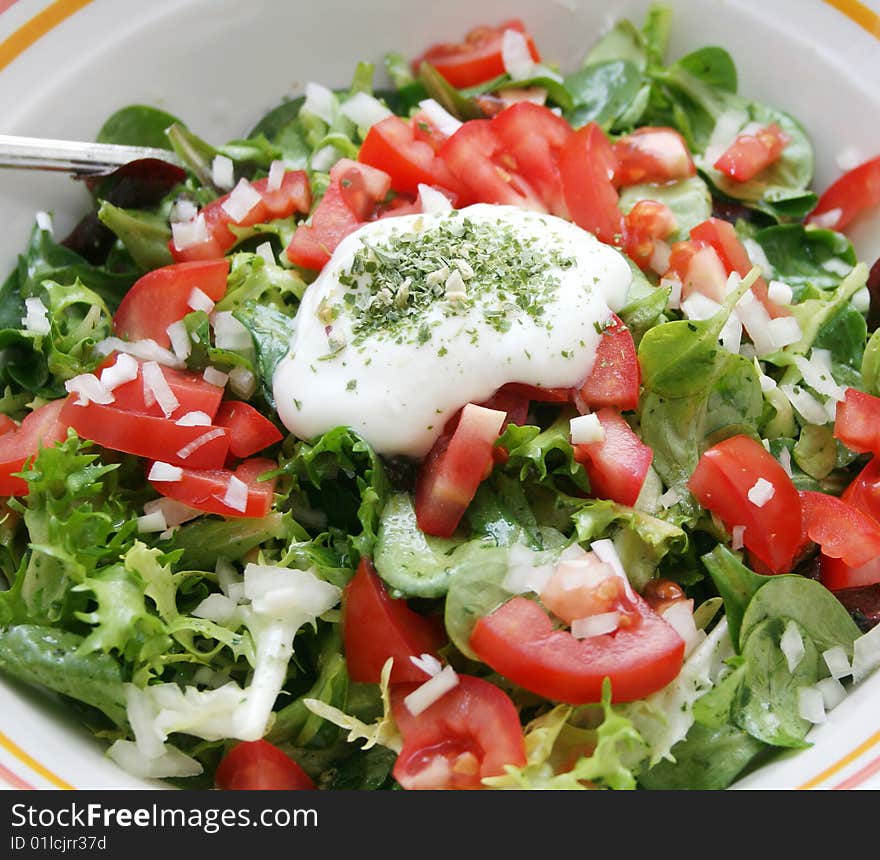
28,760
37,27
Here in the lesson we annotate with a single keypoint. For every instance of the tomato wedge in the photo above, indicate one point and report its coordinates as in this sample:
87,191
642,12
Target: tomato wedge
845,199
42,428
468,734
646,224
376,627
587,166
207,489
841,530
721,483
161,297
616,376
454,468
857,422
260,766
249,431
699,269
749,154
520,641
652,154
476,59
618,465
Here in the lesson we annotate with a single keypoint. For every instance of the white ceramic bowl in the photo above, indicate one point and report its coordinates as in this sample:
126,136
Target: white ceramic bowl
220,64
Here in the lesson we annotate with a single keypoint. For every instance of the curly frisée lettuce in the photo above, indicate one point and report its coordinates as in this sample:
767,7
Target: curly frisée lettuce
618,584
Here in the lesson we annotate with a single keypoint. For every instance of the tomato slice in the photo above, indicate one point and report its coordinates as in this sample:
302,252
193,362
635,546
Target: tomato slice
42,428
454,468
845,199
249,431
721,483
161,297
535,392
841,530
864,492
146,435
857,422
652,154
699,269
749,154
616,376
478,58
648,222
376,627
294,194
468,734
260,766
520,641
391,146
587,165
478,158
205,489
534,137
618,465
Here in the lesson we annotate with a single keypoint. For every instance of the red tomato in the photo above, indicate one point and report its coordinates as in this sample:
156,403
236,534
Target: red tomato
699,269
508,400
841,530
721,484
836,575
249,431
425,131
351,199
376,627
616,376
478,158
534,137
205,489
7,425
454,468
652,154
520,641
541,395
391,146
849,196
648,222
468,734
42,428
258,765
294,195
192,393
587,165
749,154
618,465
864,492
857,422
161,297
145,435
476,59
721,236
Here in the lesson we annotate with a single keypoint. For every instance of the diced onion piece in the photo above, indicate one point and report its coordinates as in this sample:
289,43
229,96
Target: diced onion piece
155,379
680,617
861,300
595,625
124,369
319,101
836,266
160,471
276,175
439,117
89,388
428,663
768,383
607,552
673,284
184,210
324,158
785,460
866,654
172,762
36,320
175,513
264,251
811,705
44,222
699,307
227,575
807,405
199,300
572,551
431,691
154,522
364,110
818,375
792,645
229,333
236,494
586,429
222,172
186,234
194,419
199,442
515,55
242,382
215,377
780,293
216,607
432,201
659,259
761,492
179,337
833,692
731,333
241,200
827,220
146,349
837,662
757,257
737,537
523,578
756,322
301,592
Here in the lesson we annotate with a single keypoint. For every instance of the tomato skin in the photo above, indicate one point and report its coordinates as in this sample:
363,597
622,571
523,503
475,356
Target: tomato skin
616,376
586,166
841,530
204,489
454,468
750,154
161,297
652,154
259,765
700,270
721,483
42,428
648,222
471,732
144,435
535,392
476,59
249,431
857,422
294,194
376,627
853,193
520,641
618,465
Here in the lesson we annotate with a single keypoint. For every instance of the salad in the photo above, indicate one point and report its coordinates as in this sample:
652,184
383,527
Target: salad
498,429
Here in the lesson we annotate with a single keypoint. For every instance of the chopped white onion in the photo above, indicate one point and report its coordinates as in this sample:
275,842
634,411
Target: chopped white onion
432,201
215,377
160,471
155,380
364,110
792,645
827,220
572,551
515,55
187,234
607,552
785,460
440,118
780,293
837,662
817,373
174,513
229,333
488,422
320,101
154,522
673,284
680,616
699,307
147,349
324,158
36,319
242,382
428,663
172,762
199,300
586,429
737,537
196,418
761,492
595,625
431,691
807,405
179,337
264,251
124,369
44,222
276,175
236,495
241,201
757,257
768,383
833,692
811,705
184,210
222,172
523,578
866,654
659,260
89,388
861,300
199,442
756,322
731,333
228,576
216,607
669,498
